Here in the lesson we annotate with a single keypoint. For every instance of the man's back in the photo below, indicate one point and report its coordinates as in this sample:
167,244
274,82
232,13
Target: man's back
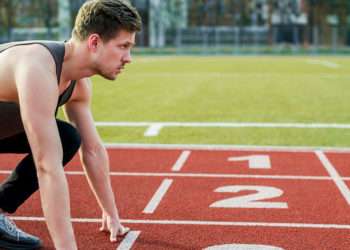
10,55
10,122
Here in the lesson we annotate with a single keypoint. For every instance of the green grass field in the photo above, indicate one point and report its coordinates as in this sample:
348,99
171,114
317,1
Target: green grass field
228,89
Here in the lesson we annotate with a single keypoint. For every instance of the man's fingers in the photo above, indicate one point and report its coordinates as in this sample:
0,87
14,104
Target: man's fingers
113,237
123,231
103,227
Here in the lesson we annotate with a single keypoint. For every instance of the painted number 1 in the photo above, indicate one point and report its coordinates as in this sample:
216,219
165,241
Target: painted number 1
250,200
254,161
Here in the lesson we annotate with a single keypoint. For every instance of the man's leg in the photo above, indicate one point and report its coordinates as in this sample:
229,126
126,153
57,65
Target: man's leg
23,182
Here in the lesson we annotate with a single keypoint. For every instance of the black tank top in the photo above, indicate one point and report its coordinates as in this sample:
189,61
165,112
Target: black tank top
10,118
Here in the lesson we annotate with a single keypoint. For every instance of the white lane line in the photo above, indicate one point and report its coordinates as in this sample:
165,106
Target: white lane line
157,197
153,130
129,240
154,126
201,223
325,63
200,175
181,161
219,147
335,175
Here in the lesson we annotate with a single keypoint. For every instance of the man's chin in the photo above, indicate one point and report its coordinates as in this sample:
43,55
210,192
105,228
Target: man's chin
109,77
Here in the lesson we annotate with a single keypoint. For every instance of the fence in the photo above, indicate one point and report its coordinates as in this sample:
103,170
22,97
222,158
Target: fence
205,27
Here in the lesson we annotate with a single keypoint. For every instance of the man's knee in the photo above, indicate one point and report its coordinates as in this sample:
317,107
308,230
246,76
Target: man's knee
70,139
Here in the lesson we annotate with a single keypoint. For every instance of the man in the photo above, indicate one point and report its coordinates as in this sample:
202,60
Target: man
37,77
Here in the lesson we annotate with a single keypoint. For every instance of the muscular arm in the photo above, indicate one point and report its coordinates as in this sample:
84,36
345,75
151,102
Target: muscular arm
38,94
92,153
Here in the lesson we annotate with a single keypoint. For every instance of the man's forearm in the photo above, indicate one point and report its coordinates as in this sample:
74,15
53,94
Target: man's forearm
96,166
55,203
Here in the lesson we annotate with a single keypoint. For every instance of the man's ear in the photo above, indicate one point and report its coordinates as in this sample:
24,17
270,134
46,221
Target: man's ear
93,41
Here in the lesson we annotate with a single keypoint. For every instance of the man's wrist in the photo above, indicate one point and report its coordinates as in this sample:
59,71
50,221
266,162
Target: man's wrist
112,214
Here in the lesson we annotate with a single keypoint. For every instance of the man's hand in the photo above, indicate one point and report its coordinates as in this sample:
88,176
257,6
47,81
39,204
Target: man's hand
113,226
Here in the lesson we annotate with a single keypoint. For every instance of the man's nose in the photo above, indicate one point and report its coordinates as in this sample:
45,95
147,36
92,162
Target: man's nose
127,58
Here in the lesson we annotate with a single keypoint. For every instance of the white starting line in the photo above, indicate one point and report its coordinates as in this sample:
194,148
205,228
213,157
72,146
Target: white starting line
131,237
200,223
201,175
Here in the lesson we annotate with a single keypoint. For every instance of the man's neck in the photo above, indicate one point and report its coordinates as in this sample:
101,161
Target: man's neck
76,64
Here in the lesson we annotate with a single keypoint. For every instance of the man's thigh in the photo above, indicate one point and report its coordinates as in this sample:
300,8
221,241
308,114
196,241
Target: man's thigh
15,144
10,120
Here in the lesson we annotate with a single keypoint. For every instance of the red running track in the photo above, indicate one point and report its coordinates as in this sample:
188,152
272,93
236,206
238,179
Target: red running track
211,199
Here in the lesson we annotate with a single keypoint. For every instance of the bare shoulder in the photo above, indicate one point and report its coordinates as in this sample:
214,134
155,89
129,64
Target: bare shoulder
35,58
34,69
23,67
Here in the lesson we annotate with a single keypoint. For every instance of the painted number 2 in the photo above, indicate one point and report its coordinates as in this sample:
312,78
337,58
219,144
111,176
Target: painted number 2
250,200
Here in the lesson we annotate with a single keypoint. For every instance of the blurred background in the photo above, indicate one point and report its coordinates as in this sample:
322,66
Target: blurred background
200,26
241,72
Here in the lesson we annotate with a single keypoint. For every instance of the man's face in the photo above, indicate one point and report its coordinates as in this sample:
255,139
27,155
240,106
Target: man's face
114,54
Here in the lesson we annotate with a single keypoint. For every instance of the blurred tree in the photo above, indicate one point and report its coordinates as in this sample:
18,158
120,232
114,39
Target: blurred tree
3,24
74,7
48,16
178,12
9,17
64,19
46,13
